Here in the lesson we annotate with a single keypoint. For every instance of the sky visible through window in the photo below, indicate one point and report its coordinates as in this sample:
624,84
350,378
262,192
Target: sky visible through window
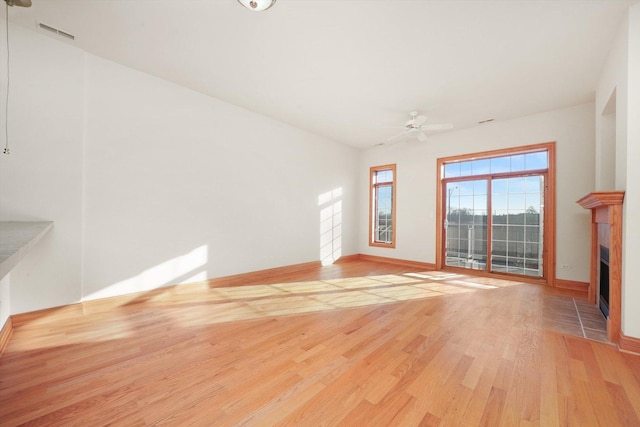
512,163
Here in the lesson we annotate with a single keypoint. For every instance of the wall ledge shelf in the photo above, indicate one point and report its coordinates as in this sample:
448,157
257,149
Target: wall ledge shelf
16,239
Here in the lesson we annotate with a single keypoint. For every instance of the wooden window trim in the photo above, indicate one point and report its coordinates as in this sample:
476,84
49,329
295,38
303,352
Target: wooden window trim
550,214
372,172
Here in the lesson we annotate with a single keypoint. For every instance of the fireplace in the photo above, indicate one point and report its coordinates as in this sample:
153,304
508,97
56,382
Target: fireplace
605,285
603,300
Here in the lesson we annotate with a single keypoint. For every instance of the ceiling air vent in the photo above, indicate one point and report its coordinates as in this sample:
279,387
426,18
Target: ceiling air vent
56,31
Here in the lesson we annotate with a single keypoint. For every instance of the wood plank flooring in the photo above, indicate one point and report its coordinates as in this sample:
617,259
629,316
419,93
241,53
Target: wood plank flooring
358,343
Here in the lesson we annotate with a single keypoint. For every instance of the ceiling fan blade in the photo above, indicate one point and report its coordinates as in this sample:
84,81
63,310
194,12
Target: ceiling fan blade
437,127
398,137
416,134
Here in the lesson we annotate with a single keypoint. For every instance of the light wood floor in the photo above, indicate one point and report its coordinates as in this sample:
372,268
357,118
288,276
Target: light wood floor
354,344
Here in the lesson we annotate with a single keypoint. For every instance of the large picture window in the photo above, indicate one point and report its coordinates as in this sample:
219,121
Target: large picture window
496,211
382,206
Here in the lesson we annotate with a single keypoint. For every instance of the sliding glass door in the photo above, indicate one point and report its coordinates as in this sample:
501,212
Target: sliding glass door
517,238
494,213
466,224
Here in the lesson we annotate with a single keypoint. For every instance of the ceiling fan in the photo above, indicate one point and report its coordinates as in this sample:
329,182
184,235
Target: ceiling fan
415,127
21,3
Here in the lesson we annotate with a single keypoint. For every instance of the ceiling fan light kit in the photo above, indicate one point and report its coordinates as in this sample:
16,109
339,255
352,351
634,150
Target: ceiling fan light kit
416,121
256,5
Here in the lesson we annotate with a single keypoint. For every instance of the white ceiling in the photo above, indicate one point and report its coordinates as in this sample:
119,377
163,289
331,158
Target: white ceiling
351,70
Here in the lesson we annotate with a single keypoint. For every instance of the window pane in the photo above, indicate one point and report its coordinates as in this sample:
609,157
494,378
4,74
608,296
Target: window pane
499,186
515,233
454,204
516,185
532,250
500,217
383,176
465,188
500,164
515,217
517,202
480,204
384,193
533,184
451,170
533,235
481,166
465,168
517,163
532,218
533,203
499,264
480,187
535,161
499,203
384,223
499,247
466,204
531,263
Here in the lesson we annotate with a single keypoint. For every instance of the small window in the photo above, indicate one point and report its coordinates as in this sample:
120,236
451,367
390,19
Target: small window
382,222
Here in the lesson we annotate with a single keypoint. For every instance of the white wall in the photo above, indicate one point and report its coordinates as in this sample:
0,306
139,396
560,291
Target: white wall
3,75
41,179
150,184
631,238
170,171
621,73
5,299
572,129
5,296
612,83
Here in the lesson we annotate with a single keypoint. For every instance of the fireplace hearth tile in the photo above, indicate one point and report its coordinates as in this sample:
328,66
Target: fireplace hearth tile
573,316
596,335
563,327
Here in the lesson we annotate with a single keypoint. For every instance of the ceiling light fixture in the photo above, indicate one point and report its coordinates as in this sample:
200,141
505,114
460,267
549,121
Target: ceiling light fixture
21,3
257,5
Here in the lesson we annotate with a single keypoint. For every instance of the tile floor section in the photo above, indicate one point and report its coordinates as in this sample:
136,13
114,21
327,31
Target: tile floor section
575,317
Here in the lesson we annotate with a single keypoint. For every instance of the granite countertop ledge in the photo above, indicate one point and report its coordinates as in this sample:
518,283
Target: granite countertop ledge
16,239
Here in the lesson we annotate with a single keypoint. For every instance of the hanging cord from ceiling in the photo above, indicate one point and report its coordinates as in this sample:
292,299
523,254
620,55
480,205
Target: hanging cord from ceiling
6,100
21,3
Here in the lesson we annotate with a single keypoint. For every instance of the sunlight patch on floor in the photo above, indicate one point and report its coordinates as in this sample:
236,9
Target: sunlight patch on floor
234,303
434,275
259,301
472,284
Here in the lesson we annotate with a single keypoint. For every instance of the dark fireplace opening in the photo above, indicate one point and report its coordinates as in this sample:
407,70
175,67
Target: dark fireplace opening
604,280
